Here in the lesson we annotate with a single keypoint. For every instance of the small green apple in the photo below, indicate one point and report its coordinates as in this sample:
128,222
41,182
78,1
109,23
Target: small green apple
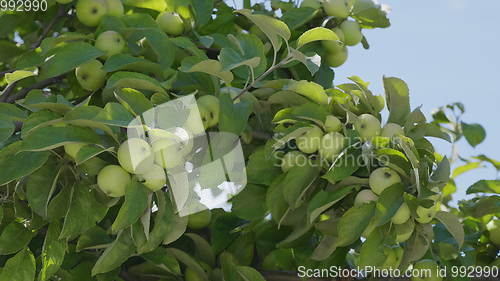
167,155
90,12
352,32
113,180
337,58
428,270
154,179
392,129
336,8
333,124
331,145
115,8
365,196
199,220
191,275
90,75
310,141
334,46
404,231
209,108
425,215
315,4
393,258
135,156
93,166
72,148
171,23
292,159
182,145
402,215
494,230
110,42
382,178
367,126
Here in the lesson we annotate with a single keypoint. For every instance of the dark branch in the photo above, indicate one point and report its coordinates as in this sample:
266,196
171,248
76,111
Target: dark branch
60,14
39,85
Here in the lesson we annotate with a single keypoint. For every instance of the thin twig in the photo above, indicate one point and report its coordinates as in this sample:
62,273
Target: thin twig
5,93
60,13
39,85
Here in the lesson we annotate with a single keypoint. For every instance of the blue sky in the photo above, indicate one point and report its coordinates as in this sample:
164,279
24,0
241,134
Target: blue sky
447,51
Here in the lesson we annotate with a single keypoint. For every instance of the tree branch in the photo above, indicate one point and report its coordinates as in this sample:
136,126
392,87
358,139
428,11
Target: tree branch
60,14
39,85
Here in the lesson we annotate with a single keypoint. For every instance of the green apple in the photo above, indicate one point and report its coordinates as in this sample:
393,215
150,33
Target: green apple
315,4
209,108
160,139
191,275
367,126
425,215
154,179
90,75
292,159
393,257
369,229
336,8
171,23
404,231
333,124
392,129
334,46
72,148
365,196
115,8
402,215
352,32
331,145
310,141
199,220
113,180
90,12
193,123
428,270
382,178
110,42
93,166
167,155
494,230
337,58
135,156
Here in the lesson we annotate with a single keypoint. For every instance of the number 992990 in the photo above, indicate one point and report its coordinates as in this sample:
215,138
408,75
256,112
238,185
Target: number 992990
23,5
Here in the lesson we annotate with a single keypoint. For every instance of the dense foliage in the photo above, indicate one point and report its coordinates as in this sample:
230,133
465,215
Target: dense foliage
327,183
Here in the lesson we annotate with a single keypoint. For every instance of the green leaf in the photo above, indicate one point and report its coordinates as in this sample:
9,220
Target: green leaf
209,66
84,212
388,203
275,200
53,252
14,237
156,5
465,168
250,203
372,250
345,165
117,253
233,116
204,251
134,80
164,260
16,164
134,101
244,50
66,58
398,101
130,63
297,182
474,133
261,167
18,75
88,152
136,202
95,237
202,11
353,223
156,39
114,114
312,63
38,100
10,112
48,138
453,225
6,130
38,119
297,17
249,273
485,186
370,15
20,267
323,200
41,186
316,34
394,159
310,90
188,261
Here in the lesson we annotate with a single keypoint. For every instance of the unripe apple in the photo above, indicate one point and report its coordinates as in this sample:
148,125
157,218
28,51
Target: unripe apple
494,230
171,23
292,159
331,145
72,148
336,8
113,180
404,231
338,58
115,8
315,4
429,268
352,32
332,124
167,155
90,12
110,42
199,220
183,145
382,178
402,215
154,179
191,275
365,196
209,108
425,215
367,126
393,258
392,129
310,141
90,75
135,156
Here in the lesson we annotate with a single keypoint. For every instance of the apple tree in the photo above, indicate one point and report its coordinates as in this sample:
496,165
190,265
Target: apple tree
335,175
